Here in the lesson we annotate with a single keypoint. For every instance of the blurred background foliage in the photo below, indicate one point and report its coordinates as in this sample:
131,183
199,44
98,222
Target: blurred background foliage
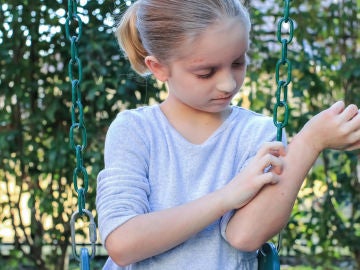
37,196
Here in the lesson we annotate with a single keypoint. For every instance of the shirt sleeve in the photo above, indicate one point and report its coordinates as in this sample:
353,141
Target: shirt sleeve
224,222
122,186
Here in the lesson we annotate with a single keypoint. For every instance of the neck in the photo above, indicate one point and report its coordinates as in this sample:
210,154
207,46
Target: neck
183,112
194,125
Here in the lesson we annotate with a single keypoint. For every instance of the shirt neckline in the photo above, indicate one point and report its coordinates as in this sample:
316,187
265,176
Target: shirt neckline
181,138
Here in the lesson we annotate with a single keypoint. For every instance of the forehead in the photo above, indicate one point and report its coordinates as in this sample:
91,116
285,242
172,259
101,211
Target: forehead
225,40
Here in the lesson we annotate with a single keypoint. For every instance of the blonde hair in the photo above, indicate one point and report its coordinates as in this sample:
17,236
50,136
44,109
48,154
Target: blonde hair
159,27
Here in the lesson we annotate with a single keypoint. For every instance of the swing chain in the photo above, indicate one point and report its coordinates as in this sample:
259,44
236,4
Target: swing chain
73,31
77,128
285,24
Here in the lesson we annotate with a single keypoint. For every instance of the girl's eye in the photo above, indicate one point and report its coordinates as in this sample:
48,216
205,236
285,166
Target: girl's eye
207,75
239,64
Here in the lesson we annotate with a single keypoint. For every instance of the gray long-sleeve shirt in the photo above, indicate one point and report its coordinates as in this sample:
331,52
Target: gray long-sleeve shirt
149,166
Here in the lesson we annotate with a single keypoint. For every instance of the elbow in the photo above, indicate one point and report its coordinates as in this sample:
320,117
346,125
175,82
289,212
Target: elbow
118,252
118,257
249,239
245,242
119,262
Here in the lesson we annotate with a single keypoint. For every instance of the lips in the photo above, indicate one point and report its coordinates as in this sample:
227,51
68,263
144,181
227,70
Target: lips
223,98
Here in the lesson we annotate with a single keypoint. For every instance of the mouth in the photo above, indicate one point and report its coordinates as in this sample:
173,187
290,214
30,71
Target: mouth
223,98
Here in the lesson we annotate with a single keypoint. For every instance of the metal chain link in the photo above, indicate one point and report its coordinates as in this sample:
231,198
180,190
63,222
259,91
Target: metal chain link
282,84
73,29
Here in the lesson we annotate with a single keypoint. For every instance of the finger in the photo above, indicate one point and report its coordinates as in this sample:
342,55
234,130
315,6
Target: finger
274,148
354,123
354,146
337,107
269,178
349,113
354,140
271,163
351,129
278,169
278,152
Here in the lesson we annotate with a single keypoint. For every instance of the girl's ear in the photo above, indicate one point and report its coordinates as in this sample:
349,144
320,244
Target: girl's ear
159,70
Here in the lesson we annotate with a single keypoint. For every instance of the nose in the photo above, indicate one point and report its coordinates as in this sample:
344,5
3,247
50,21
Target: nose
226,82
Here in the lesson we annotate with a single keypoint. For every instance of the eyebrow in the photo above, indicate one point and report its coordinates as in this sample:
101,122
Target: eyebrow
202,67
199,64
206,66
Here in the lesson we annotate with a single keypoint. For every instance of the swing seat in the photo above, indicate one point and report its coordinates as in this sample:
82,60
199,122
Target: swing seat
268,258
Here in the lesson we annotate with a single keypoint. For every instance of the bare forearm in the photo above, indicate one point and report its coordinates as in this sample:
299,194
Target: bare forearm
151,234
269,211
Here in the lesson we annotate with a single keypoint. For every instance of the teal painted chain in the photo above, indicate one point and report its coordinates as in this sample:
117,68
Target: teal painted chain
73,29
283,63
282,84
77,113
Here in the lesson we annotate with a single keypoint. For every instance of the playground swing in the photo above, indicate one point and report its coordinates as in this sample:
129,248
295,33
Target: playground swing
268,258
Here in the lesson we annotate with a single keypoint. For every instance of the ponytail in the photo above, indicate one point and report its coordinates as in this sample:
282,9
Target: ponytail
130,42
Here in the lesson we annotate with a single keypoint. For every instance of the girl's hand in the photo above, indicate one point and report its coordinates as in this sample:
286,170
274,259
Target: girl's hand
263,169
336,128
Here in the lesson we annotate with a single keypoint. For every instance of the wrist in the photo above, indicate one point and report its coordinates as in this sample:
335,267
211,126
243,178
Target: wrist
310,140
223,199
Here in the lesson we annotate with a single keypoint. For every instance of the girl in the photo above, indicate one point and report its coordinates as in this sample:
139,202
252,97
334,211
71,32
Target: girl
196,183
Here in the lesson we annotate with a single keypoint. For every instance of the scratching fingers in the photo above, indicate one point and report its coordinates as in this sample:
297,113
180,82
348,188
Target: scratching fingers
269,178
271,163
273,148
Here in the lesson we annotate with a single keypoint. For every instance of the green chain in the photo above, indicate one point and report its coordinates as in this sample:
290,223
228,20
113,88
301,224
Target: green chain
282,85
73,22
77,113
